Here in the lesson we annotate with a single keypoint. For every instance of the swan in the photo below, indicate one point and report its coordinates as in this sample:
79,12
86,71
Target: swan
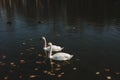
60,56
55,48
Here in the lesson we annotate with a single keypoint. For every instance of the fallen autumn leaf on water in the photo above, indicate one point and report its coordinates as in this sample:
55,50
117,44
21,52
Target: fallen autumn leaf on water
97,73
108,77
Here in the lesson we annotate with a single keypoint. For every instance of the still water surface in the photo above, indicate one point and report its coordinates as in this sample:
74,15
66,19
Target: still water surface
90,30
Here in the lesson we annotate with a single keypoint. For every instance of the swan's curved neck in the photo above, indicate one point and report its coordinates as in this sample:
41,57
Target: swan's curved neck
50,54
45,43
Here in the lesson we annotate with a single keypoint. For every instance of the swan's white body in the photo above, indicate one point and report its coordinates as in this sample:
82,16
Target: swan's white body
60,56
55,48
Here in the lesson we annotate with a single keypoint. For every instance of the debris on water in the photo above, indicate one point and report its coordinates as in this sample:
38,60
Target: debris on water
57,69
22,61
52,62
58,65
38,62
108,77
39,55
4,57
6,78
62,73
107,70
33,76
45,71
18,64
74,68
12,64
97,73
59,75
36,69
117,73
51,73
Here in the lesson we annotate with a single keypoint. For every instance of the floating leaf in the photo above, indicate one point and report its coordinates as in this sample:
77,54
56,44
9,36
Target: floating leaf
36,69
49,72
52,74
6,78
59,75
33,76
57,69
107,70
58,65
45,71
74,68
39,55
12,64
117,73
108,77
97,73
22,61
4,57
38,62
52,62
62,73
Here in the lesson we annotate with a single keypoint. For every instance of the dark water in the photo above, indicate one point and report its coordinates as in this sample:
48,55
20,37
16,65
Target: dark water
88,29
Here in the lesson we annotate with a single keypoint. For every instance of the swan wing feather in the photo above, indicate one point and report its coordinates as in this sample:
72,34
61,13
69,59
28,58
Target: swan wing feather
61,56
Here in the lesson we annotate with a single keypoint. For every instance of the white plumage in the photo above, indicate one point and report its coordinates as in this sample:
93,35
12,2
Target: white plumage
60,56
55,48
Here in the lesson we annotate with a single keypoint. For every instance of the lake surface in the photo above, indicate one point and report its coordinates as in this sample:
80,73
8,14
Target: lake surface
88,29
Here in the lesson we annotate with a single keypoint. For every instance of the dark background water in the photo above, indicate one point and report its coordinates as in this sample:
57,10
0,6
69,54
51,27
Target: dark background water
88,29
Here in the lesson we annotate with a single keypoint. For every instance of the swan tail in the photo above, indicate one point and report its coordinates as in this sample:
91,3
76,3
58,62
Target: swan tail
72,56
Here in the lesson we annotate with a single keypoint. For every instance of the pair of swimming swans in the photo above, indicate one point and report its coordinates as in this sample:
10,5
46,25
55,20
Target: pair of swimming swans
60,56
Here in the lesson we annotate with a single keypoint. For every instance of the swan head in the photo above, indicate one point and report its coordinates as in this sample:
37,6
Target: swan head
49,43
43,37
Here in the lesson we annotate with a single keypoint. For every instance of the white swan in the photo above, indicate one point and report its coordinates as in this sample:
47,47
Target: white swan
60,56
55,48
